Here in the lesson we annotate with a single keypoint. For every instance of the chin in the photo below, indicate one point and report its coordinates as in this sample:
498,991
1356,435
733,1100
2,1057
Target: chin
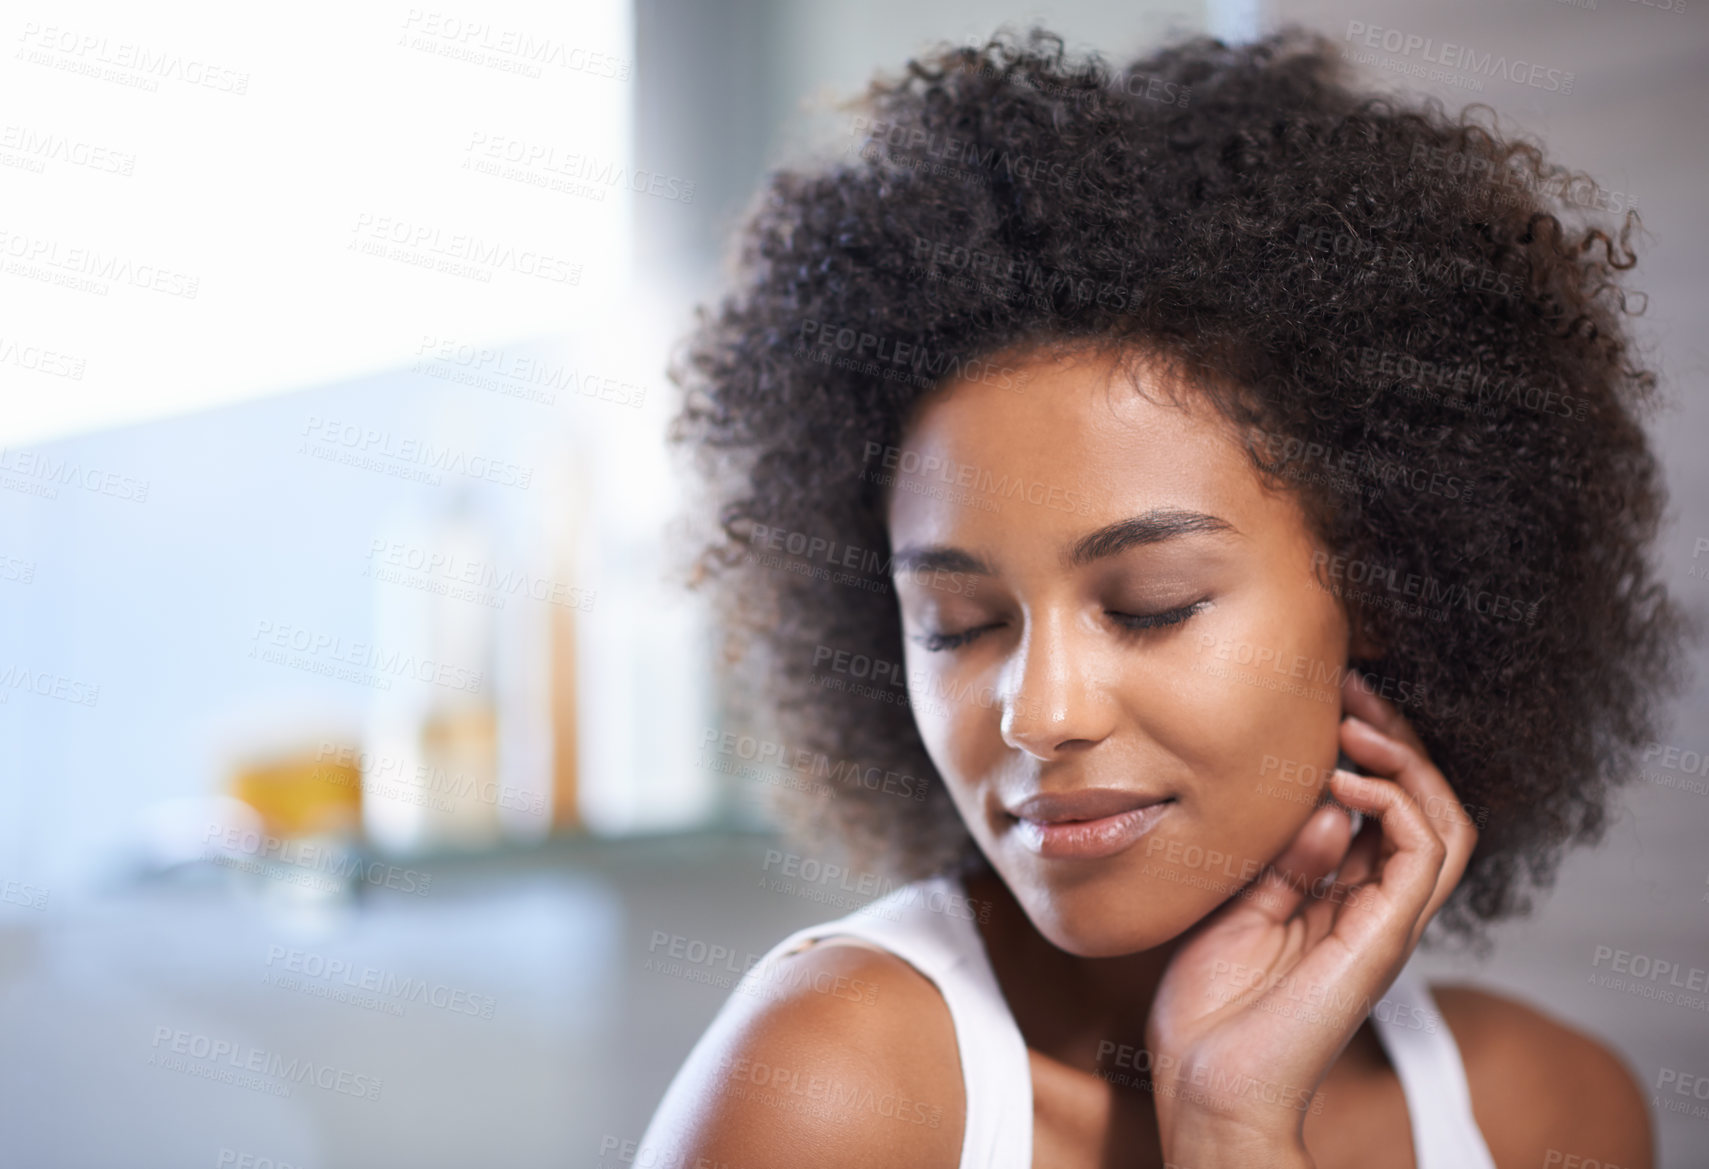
1109,916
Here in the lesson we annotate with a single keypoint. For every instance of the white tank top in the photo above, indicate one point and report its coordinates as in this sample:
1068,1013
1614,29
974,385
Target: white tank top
928,925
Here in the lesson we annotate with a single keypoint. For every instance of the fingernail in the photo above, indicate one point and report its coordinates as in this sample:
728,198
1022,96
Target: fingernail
1359,722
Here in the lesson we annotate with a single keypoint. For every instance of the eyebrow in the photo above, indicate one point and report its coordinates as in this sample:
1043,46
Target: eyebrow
1152,527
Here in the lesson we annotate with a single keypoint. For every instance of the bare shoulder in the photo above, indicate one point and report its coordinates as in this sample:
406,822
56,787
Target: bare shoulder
841,1055
1545,1093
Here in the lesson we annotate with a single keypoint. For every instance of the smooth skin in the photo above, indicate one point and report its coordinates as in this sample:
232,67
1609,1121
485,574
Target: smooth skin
1144,613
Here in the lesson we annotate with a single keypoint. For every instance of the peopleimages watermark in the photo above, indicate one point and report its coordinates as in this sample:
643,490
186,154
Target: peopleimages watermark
818,1095
1659,6
1456,61
672,1156
1698,548
1183,864
251,1067
1311,780
1553,1158
568,172
344,981
817,880
954,157
357,661
647,1156
463,578
1644,976
1314,1002
23,893
912,485
853,672
508,50
1145,86
16,568
913,465
391,777
234,1159
1315,671
125,63
1428,590
36,148
302,861
1463,386
894,359
1672,1082
1411,267
35,473
1315,462
39,359
801,761
47,684
86,269
1509,182
716,965
424,245
368,448
845,563
518,375
1681,763
1144,1070
1009,277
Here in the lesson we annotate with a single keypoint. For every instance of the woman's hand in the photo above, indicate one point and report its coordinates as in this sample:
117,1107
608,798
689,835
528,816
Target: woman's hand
1261,996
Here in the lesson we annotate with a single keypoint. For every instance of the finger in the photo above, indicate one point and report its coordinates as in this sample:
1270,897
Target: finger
1372,707
1363,856
1318,848
1428,790
1375,926
1410,766
1388,913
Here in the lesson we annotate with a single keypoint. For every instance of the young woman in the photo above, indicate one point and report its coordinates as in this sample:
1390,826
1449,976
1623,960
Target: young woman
1194,520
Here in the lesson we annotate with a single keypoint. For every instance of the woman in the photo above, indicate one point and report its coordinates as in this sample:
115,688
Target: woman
1221,496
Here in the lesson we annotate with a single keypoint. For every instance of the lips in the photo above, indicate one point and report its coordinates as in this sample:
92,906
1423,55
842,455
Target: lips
1086,824
1092,803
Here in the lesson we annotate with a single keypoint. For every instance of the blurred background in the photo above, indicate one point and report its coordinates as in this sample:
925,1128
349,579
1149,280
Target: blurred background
361,756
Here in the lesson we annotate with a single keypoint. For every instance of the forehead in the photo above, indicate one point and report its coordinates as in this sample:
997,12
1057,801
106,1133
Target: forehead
1083,439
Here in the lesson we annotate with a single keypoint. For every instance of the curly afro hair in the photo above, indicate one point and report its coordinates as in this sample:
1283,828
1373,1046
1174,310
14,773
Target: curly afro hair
1417,323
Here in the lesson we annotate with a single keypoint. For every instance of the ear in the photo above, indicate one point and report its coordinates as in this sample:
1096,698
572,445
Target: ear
1360,644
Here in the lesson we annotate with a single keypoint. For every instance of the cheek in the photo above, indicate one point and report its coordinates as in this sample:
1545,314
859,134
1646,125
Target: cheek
1246,709
961,733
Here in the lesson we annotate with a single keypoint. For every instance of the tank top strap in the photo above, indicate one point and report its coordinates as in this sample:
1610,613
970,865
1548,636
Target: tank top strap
1445,1134
930,925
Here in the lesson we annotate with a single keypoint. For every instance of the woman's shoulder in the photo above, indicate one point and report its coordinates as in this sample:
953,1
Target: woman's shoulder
1544,1093
839,1054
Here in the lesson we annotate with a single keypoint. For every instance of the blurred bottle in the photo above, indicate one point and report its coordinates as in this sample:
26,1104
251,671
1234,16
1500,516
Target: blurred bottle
432,775
567,520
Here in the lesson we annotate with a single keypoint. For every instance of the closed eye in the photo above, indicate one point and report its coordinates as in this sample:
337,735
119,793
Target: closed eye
940,642
1156,620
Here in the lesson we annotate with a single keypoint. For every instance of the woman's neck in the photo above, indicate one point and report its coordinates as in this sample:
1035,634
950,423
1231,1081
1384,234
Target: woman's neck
1080,1011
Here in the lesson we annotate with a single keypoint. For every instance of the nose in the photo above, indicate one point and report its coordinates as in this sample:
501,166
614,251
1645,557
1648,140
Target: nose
1052,702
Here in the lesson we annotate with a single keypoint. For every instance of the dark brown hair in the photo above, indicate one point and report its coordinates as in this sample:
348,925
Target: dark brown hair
1418,323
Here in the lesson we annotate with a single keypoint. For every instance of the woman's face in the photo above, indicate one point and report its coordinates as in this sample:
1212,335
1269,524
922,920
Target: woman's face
1098,592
